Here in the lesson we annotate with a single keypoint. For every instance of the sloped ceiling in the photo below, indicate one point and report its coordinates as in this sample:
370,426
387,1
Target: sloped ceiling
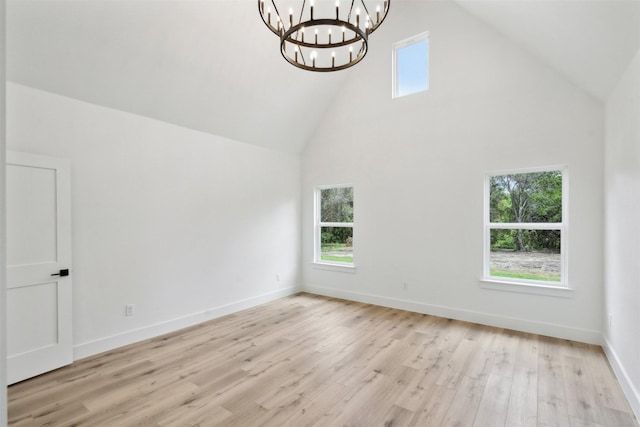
206,65
212,65
589,41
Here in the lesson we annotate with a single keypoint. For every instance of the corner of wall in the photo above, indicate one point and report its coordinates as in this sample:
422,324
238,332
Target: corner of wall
630,391
3,335
622,179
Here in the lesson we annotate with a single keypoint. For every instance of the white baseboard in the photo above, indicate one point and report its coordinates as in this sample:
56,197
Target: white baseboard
540,328
630,391
91,348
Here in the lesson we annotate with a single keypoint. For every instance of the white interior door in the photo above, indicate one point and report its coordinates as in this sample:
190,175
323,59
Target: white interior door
39,334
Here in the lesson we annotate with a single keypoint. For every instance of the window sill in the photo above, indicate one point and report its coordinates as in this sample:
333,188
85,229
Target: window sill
526,288
342,268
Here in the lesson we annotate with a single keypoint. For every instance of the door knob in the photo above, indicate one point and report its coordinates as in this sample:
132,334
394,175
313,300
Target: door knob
62,273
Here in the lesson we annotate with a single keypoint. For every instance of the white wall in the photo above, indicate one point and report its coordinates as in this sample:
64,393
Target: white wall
3,299
418,164
622,244
185,225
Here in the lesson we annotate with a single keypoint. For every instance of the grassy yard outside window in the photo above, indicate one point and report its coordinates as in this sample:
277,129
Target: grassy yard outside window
526,226
334,225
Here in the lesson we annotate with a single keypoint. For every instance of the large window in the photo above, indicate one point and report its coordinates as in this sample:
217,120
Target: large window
411,65
526,226
334,225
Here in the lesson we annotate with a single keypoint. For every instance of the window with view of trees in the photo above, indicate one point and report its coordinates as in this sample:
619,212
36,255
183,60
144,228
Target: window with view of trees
525,227
334,225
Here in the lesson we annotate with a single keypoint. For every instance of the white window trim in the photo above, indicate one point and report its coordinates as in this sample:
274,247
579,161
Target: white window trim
317,261
394,63
538,287
340,268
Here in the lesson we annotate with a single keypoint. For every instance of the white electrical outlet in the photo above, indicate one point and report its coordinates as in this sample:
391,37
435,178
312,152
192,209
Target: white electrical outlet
129,309
405,286
277,277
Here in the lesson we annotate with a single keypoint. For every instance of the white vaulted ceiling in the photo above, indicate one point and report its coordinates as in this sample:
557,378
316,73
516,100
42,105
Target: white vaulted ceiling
589,41
213,66
206,65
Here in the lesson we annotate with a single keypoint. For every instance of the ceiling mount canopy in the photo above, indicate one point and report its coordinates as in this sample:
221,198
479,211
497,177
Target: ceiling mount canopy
322,35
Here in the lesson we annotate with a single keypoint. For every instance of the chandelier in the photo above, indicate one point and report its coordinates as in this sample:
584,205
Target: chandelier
324,36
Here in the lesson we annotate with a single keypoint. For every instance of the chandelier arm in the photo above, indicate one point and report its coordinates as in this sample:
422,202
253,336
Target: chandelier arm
366,11
304,2
304,62
273,2
301,10
387,5
271,28
350,10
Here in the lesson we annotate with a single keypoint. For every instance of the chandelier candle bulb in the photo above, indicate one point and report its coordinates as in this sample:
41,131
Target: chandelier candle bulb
333,59
358,18
377,14
311,3
344,29
290,18
337,10
329,31
316,34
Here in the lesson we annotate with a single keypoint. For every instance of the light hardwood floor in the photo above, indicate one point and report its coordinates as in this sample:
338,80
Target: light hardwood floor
314,361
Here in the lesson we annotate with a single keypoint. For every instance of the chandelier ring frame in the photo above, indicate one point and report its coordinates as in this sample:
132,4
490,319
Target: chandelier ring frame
360,34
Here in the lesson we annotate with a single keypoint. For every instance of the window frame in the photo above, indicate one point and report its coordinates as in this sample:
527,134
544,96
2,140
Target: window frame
318,224
528,285
394,62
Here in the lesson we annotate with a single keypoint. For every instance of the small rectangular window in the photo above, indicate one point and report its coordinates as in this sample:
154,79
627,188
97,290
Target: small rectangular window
334,225
411,65
525,226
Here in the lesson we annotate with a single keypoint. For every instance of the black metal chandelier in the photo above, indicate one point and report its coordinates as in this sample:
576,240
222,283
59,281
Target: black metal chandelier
322,36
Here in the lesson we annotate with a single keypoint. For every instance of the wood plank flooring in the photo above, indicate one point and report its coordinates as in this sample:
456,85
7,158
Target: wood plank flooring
307,360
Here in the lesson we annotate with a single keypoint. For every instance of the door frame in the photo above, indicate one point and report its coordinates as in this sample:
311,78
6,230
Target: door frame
3,282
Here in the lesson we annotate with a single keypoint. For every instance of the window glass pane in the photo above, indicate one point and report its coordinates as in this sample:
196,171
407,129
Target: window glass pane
336,204
526,197
412,71
336,244
525,254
